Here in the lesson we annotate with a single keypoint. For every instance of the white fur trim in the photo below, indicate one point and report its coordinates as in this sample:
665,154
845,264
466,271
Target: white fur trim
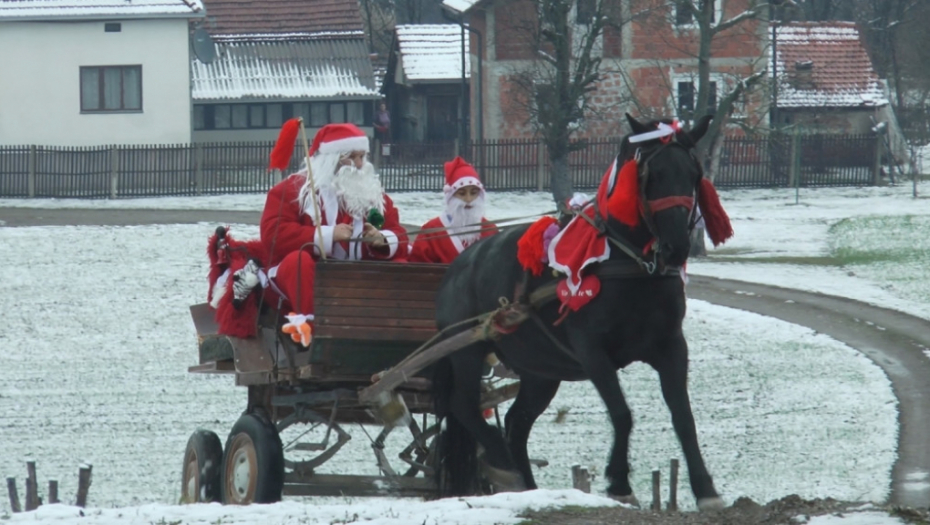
573,285
326,232
346,145
456,240
663,130
392,241
449,190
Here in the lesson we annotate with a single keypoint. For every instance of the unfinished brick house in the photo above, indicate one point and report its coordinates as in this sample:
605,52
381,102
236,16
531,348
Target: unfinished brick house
649,62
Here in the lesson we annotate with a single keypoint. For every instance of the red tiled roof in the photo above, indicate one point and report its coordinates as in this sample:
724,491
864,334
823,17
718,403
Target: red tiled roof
840,72
282,16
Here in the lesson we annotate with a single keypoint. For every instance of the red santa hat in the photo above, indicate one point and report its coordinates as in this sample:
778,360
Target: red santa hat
339,138
460,174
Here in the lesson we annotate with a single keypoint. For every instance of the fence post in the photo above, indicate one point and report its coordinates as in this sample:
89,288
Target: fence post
673,486
455,148
52,491
540,166
114,172
14,496
877,169
581,479
32,486
794,169
31,178
376,157
198,168
83,485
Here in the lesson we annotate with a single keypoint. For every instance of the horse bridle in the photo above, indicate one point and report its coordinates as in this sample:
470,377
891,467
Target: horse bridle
648,208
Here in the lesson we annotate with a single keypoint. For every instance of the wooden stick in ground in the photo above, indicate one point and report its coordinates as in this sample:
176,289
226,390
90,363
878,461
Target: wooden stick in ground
83,485
316,208
581,479
673,487
52,491
656,493
14,495
32,488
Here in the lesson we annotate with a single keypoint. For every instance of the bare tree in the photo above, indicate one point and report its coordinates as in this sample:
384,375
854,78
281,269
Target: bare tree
556,87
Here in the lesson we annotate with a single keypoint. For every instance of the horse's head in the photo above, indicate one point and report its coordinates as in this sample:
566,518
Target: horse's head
659,178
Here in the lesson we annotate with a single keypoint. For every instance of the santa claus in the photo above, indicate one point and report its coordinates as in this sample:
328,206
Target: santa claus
348,198
461,224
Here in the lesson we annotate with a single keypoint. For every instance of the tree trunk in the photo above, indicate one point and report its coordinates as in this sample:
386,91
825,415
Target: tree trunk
560,179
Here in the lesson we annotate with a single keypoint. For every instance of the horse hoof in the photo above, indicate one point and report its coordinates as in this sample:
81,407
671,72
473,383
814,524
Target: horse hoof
710,504
629,499
505,480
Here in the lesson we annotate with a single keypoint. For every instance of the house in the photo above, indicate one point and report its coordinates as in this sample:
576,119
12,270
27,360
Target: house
825,79
424,84
86,73
648,61
278,59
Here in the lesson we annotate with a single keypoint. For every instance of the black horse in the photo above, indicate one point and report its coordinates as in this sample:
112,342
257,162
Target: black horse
637,316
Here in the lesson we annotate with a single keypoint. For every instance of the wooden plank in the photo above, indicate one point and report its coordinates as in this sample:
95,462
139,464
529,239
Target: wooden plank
374,322
251,355
347,485
425,296
383,267
375,281
365,311
374,334
204,319
213,367
389,304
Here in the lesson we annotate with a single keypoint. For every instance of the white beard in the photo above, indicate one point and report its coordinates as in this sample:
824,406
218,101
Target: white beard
359,190
461,218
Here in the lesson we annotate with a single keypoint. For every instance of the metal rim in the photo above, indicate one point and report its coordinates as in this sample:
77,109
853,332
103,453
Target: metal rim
191,482
241,470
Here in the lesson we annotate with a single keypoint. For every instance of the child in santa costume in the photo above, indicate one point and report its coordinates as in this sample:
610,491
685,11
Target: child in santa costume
348,198
461,224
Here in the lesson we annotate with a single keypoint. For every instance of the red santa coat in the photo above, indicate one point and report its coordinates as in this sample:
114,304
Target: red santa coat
285,229
439,246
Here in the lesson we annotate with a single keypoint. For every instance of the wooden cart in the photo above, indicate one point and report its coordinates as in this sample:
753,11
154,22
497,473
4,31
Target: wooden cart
370,318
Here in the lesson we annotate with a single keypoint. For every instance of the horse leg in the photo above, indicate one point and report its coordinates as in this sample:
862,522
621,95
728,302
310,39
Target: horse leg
673,376
464,406
532,400
603,374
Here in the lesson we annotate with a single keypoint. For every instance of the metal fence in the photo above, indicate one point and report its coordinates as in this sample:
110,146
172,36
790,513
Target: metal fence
197,169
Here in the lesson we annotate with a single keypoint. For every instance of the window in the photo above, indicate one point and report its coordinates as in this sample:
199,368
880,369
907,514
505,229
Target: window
111,88
112,27
200,117
256,116
222,117
355,113
584,11
686,95
684,16
274,115
318,114
240,116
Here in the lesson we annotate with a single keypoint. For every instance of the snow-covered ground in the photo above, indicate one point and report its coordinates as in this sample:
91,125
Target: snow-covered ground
96,340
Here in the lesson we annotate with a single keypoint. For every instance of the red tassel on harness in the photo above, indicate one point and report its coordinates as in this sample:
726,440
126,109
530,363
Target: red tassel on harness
623,203
530,246
716,219
284,147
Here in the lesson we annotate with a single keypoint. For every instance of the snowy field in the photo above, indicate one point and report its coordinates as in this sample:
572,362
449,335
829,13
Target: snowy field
97,339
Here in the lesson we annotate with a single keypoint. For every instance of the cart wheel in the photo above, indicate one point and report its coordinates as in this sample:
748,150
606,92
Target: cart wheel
203,459
253,463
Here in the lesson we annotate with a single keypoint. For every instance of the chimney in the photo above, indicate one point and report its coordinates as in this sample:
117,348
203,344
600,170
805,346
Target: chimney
804,74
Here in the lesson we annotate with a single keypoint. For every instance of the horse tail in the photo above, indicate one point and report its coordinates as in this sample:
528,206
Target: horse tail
456,455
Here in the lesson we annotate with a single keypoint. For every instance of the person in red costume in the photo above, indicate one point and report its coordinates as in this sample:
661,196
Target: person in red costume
461,224
348,199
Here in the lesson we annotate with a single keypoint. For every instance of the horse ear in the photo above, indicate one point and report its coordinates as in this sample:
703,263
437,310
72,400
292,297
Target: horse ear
635,125
700,128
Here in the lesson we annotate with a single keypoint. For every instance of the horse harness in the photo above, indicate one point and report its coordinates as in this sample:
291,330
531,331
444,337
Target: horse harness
637,266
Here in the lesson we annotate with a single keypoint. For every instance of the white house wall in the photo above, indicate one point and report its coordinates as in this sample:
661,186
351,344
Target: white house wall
40,82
